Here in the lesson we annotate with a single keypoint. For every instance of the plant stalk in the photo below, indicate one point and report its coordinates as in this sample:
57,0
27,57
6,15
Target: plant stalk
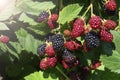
62,73
86,11
60,2
91,8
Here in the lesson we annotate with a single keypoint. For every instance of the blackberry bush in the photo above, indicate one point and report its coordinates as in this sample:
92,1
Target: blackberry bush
75,39
79,37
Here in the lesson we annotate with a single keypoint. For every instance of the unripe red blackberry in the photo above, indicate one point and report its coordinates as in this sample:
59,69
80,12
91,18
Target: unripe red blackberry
110,24
66,32
50,51
111,5
78,28
52,62
52,24
44,64
77,45
95,65
65,65
54,17
4,39
79,21
69,45
95,22
106,36
52,21
77,31
72,45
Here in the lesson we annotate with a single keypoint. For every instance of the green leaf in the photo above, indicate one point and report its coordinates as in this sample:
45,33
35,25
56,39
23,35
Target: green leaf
26,19
112,62
14,70
104,75
69,13
34,7
39,76
12,52
28,42
41,29
16,46
3,26
116,40
107,48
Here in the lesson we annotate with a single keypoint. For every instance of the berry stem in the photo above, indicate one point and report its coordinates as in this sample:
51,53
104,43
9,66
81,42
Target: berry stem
119,17
91,8
86,11
62,72
60,4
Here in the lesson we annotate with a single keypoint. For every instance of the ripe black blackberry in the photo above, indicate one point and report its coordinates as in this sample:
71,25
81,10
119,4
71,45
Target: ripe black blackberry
41,49
43,16
68,57
58,42
92,39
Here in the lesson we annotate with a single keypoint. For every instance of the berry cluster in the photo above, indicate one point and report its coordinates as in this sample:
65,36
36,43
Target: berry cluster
61,46
51,50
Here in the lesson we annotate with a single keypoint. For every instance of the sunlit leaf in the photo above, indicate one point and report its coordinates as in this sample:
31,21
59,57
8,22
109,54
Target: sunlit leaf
3,26
69,13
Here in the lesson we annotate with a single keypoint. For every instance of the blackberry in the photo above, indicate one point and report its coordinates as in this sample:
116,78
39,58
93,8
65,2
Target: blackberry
110,7
52,61
58,42
95,22
4,39
68,57
41,49
110,24
52,24
54,17
92,39
44,64
106,36
43,16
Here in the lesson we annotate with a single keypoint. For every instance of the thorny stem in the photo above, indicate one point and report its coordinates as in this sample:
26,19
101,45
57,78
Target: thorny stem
62,73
